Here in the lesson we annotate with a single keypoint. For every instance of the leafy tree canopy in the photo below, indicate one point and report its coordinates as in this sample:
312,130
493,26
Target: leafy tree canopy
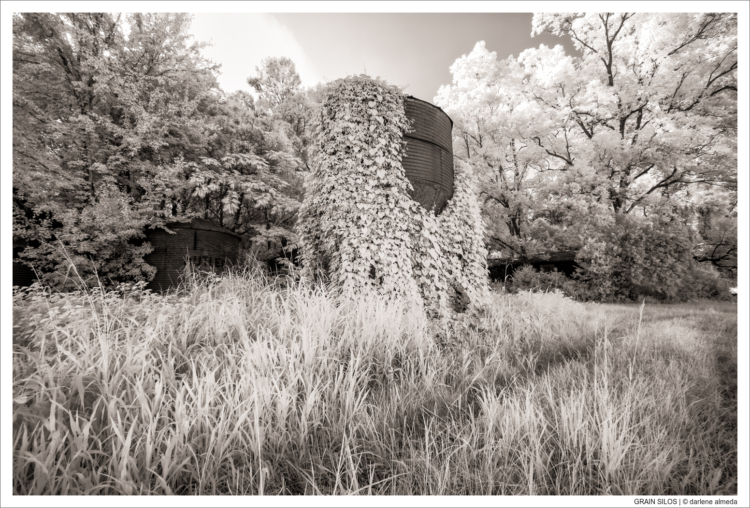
642,123
119,125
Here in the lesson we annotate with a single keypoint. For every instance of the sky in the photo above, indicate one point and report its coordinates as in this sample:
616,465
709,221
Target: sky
414,50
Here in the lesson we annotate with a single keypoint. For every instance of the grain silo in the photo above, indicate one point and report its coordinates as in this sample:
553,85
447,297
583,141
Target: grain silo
428,155
206,245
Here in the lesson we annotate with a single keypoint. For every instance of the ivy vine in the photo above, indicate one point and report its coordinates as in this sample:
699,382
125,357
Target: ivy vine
359,227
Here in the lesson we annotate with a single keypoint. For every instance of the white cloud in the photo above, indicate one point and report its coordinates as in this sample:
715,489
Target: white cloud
241,40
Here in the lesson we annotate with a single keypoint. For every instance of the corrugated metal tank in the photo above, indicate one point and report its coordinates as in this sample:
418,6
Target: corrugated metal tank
428,155
208,246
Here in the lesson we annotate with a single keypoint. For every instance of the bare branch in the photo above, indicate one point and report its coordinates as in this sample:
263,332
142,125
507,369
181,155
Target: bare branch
700,34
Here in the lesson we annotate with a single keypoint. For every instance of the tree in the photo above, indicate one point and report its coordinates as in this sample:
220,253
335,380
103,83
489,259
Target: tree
281,97
248,182
277,79
119,125
249,178
531,201
96,115
652,103
717,232
287,110
643,119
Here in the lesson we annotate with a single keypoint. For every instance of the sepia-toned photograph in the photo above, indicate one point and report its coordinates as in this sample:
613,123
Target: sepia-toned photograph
369,250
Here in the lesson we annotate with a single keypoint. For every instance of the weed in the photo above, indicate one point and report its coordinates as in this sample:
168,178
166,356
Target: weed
241,385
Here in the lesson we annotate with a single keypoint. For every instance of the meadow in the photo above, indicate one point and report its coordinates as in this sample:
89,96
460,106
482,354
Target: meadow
244,385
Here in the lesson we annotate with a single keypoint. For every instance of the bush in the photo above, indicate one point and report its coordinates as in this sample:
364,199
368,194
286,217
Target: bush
696,282
634,259
706,282
527,278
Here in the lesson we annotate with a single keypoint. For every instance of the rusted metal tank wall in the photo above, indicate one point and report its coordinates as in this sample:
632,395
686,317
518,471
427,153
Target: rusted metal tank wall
428,155
207,250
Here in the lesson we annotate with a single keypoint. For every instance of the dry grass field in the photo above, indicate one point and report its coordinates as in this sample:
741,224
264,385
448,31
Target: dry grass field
242,386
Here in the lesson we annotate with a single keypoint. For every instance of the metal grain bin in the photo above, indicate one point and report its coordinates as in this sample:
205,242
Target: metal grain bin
428,155
208,247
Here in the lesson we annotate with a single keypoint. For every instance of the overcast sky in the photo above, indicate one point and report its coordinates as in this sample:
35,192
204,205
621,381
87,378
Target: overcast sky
412,50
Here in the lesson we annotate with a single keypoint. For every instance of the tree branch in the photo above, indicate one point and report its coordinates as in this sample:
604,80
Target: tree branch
553,154
719,90
698,35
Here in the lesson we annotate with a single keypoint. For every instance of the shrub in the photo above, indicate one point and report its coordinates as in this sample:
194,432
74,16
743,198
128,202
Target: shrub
697,282
527,278
706,282
633,258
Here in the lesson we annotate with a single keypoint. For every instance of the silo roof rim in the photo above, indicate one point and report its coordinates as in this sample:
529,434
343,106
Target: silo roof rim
431,104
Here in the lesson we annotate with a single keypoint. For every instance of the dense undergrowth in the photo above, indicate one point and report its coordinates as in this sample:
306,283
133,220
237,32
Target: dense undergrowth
248,386
698,283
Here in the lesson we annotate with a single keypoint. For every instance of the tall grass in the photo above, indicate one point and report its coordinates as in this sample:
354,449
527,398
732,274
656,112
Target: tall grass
244,386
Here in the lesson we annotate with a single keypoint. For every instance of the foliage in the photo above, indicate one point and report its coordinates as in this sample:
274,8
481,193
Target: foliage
705,282
457,237
642,120
251,181
119,126
526,278
97,108
234,386
653,102
717,230
277,80
633,257
358,224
